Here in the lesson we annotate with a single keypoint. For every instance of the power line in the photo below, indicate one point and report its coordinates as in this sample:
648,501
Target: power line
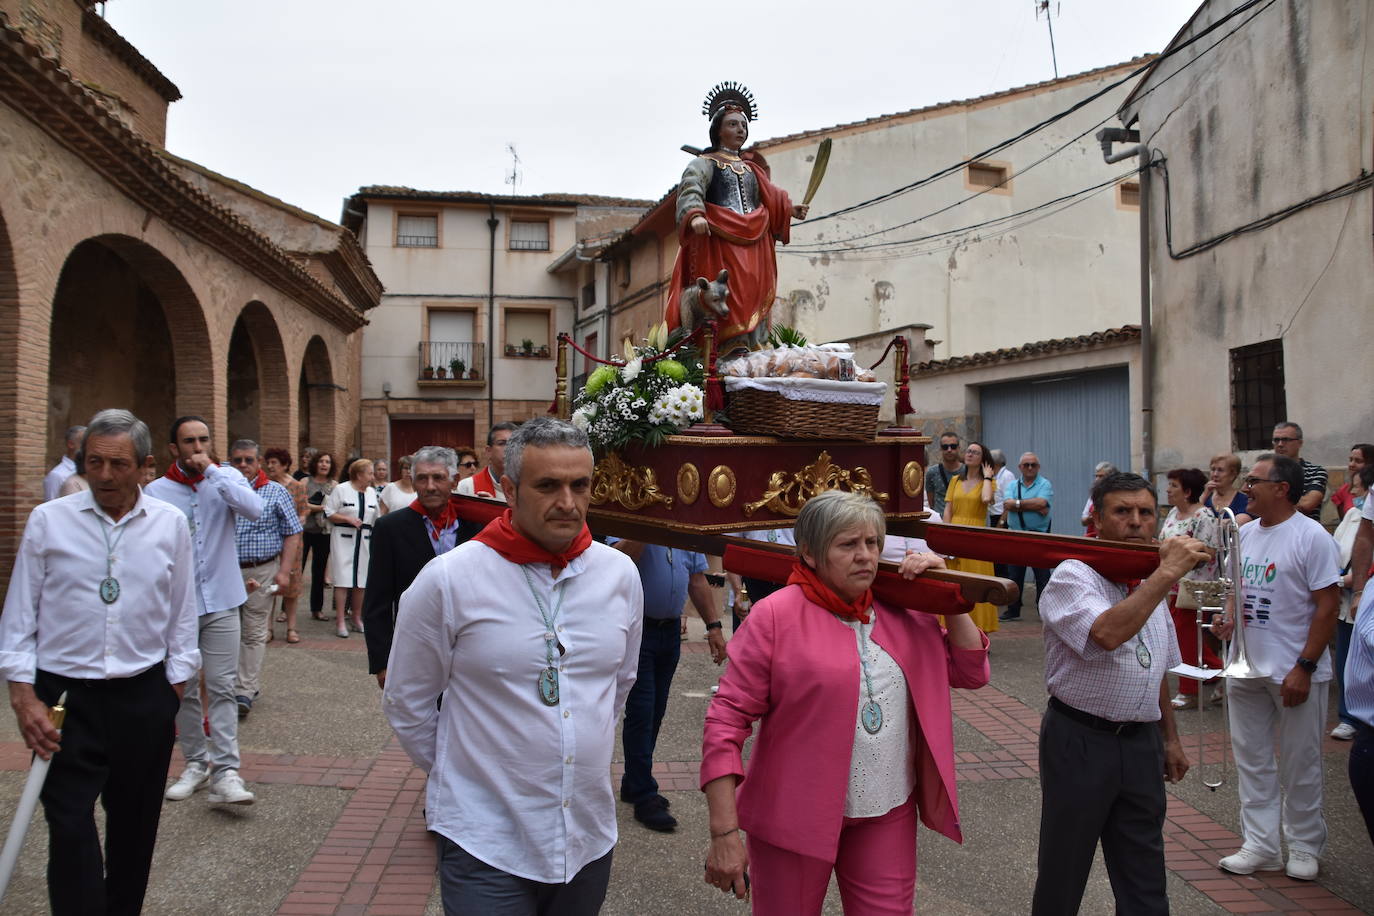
805,247
1055,118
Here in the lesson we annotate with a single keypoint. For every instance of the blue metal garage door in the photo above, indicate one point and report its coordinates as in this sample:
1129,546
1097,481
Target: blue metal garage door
1072,422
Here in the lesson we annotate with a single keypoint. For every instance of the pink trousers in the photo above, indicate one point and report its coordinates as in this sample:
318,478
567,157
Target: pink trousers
875,869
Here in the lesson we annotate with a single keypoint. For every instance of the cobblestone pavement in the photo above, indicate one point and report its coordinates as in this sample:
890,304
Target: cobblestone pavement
338,827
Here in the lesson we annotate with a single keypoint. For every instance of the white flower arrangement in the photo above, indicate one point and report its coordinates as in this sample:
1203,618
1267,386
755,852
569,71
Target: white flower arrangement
650,396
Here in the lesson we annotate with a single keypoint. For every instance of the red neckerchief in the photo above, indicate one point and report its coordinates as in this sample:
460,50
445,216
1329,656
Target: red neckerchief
446,518
477,486
177,475
261,480
819,593
500,535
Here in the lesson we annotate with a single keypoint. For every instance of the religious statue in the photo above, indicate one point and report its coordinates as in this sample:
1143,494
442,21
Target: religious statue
729,217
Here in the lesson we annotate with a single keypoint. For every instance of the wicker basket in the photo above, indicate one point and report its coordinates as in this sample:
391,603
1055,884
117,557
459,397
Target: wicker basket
767,413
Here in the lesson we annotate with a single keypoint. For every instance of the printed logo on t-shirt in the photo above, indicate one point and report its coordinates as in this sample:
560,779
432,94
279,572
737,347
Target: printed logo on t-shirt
1261,573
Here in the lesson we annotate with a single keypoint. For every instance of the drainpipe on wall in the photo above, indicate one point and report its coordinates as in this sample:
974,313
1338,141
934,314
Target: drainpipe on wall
492,223
1107,136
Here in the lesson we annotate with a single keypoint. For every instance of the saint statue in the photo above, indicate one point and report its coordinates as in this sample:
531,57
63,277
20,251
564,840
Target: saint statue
729,217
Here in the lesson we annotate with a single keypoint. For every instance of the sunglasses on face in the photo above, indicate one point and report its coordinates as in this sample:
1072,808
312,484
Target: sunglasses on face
467,464
949,447
1030,464
242,460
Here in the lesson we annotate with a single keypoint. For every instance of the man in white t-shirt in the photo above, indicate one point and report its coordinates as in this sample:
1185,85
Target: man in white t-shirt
1290,570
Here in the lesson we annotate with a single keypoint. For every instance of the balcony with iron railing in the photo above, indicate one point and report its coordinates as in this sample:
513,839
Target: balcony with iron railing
452,362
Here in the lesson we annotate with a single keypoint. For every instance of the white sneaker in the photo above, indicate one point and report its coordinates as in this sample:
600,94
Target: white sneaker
1247,861
192,780
1302,865
1343,732
228,789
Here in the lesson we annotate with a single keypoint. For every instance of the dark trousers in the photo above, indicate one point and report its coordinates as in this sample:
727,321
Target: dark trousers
1095,785
1362,773
471,887
116,745
1344,631
317,543
1017,574
659,651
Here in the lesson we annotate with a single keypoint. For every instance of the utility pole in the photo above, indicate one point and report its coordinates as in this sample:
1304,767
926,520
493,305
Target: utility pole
1043,6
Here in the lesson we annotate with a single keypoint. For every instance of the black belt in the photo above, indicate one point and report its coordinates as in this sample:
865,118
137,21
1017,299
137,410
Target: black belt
251,563
662,622
1097,723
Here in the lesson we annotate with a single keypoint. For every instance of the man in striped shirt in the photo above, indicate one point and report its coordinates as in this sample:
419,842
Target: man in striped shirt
1288,443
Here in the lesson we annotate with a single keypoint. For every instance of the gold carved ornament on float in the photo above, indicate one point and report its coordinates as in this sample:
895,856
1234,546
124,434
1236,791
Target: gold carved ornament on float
913,479
787,493
720,486
688,483
614,481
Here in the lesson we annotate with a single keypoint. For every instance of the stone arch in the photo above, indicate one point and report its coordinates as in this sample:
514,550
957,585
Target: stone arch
317,423
17,451
128,331
258,402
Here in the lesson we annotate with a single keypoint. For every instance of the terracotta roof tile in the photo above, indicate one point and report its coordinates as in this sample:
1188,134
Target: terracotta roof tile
1109,338
96,26
1004,93
586,200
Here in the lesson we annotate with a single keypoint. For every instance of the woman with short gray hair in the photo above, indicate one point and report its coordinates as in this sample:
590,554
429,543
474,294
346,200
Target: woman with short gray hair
1102,471
855,735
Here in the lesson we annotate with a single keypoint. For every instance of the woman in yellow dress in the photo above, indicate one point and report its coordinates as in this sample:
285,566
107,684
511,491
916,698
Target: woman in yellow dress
970,494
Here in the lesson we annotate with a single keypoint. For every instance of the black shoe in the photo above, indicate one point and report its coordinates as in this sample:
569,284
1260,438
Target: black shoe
1008,615
658,798
245,706
653,813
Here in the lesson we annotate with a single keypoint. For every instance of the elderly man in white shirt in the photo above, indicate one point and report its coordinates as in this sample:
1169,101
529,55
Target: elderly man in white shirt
211,497
66,465
530,632
100,606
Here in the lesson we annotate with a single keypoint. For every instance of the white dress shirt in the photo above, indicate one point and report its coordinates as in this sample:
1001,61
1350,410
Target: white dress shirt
54,616
57,476
522,786
210,508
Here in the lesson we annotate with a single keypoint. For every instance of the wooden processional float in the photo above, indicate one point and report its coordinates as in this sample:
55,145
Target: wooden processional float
709,481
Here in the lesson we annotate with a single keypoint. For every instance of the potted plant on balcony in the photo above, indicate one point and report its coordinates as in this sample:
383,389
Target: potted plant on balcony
473,373
440,372
428,372
512,350
544,350
458,367
527,347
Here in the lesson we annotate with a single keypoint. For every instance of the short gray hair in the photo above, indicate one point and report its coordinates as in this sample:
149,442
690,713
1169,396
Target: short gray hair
245,445
827,514
998,457
436,454
115,422
541,432
1289,424
1105,466
74,433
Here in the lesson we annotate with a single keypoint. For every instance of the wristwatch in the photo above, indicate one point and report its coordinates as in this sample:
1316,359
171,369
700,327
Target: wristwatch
1307,665
716,625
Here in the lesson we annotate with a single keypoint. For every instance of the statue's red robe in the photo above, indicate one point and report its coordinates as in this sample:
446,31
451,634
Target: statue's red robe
742,243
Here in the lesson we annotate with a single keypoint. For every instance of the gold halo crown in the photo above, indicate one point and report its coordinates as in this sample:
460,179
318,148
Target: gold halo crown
729,95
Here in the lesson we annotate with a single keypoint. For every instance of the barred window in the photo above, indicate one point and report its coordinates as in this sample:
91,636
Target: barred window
529,235
1257,393
417,232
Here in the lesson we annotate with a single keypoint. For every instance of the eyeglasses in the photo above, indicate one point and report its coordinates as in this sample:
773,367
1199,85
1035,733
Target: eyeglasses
242,460
1280,440
467,464
1030,464
1251,481
949,446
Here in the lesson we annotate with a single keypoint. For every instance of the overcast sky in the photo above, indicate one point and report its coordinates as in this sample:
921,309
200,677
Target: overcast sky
310,99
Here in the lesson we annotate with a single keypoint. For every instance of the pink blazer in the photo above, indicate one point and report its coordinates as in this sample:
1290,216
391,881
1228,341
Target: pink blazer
796,668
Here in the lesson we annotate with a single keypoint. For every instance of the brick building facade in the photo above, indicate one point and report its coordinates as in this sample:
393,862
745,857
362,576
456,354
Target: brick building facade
130,278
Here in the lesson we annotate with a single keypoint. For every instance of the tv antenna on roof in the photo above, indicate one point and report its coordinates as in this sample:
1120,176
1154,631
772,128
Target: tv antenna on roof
513,178
1043,6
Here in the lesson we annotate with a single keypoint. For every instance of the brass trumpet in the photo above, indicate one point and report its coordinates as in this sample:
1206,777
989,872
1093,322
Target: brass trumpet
1211,598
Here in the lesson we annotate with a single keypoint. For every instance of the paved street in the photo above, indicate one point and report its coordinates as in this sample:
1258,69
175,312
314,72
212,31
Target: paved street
338,829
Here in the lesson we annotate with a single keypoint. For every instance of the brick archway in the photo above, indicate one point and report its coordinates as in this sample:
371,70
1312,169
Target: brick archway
258,391
126,331
317,391
26,482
